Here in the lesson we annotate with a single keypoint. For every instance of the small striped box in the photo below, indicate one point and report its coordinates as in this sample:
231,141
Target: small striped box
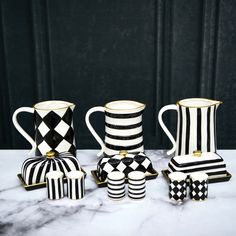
116,185
136,185
75,185
55,187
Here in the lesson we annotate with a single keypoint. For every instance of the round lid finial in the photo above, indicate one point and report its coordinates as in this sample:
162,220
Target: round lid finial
123,153
50,154
197,153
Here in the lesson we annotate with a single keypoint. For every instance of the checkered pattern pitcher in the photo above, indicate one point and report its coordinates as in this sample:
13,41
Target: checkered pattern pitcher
54,128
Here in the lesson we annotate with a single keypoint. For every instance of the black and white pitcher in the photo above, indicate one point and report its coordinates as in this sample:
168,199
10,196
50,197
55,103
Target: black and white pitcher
123,127
196,126
54,128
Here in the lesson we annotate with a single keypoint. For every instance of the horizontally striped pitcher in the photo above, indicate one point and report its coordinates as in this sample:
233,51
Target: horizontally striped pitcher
123,127
196,126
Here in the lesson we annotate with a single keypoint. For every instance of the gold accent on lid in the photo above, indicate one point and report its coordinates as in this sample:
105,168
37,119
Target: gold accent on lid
123,153
197,153
50,154
205,99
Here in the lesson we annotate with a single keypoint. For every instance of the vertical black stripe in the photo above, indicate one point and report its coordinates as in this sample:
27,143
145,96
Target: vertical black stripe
208,128
53,189
187,131
180,129
48,163
40,170
81,186
48,187
70,188
214,131
59,187
199,128
76,188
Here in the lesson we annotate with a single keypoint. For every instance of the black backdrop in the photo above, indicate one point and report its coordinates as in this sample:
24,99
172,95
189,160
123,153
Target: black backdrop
92,52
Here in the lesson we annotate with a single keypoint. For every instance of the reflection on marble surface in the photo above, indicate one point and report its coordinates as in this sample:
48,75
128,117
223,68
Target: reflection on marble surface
31,213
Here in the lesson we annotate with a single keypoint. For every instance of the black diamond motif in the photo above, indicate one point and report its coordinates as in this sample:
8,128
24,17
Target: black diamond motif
127,161
53,139
69,136
176,192
198,191
38,119
38,137
72,150
68,116
52,120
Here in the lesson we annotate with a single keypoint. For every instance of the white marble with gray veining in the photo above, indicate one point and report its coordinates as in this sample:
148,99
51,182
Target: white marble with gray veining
31,213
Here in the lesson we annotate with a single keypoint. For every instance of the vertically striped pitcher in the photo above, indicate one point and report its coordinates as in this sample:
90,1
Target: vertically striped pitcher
196,126
123,127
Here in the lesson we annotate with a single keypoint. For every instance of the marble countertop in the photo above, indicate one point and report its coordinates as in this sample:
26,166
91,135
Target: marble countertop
31,213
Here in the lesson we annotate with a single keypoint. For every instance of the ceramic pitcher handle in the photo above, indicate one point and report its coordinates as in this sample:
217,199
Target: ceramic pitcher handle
93,132
163,126
20,129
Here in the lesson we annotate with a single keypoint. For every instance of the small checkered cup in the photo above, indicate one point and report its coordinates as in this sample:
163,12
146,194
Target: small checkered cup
198,186
177,186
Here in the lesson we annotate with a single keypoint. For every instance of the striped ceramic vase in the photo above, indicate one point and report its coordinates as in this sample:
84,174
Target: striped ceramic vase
196,126
55,187
123,127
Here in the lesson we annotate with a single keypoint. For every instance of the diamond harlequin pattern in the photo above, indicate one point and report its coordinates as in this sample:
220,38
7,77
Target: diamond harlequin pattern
177,190
198,190
130,163
54,131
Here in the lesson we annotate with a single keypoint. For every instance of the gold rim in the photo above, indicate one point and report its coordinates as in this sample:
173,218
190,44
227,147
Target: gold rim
70,104
205,99
142,105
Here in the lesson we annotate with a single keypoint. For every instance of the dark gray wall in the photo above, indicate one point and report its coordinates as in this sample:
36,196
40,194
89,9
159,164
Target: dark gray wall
92,52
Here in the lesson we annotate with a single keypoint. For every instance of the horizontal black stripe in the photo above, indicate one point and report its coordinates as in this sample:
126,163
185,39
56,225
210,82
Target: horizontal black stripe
137,189
129,115
224,172
116,180
124,137
116,184
199,169
124,126
115,194
136,198
137,179
127,148
130,184
116,189
111,196
196,163
137,193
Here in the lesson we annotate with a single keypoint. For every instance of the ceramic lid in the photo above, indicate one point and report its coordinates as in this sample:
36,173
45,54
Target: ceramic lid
191,159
